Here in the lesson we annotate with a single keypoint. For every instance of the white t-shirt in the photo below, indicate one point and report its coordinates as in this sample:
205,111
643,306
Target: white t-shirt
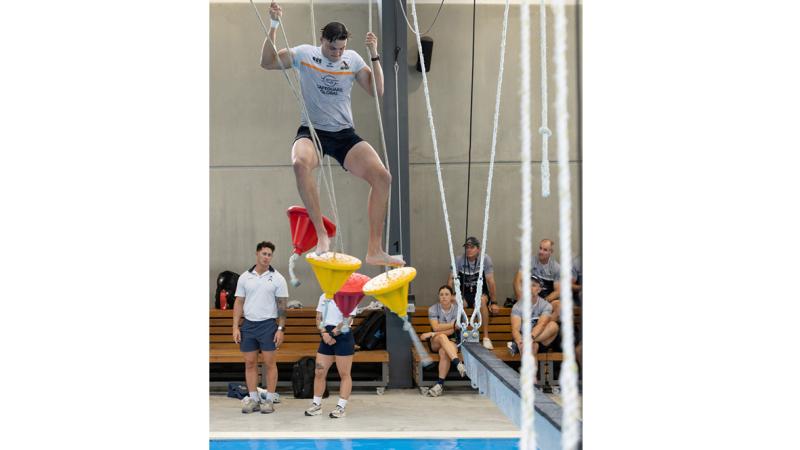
333,316
326,86
260,293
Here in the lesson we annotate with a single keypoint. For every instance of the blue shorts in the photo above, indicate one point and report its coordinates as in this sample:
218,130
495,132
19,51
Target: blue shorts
258,335
335,144
345,344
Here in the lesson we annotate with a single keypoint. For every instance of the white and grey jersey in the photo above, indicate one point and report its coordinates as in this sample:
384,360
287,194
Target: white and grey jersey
326,86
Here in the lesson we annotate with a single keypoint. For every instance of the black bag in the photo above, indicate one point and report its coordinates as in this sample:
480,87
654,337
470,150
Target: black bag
226,281
303,378
371,334
237,390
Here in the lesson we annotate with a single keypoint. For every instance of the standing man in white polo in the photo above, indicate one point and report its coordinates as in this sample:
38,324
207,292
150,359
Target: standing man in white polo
261,294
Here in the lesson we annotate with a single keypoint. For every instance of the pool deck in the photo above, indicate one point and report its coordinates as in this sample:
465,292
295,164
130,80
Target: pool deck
460,413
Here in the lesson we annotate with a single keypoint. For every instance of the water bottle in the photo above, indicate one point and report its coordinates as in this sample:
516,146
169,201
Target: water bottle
223,299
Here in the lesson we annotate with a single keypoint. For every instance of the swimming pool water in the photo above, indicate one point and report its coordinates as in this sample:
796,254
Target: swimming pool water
363,444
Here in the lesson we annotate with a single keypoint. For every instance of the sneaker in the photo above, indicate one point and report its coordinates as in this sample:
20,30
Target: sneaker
314,410
249,405
267,407
487,344
435,391
276,398
337,413
512,348
461,369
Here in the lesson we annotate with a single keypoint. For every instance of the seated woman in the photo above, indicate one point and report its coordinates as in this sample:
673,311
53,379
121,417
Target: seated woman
543,330
444,337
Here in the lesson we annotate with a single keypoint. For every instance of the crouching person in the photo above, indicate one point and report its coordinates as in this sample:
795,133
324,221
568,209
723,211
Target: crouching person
337,347
544,331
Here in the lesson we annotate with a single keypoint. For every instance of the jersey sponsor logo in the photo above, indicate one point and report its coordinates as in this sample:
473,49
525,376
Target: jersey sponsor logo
329,86
316,60
329,80
345,66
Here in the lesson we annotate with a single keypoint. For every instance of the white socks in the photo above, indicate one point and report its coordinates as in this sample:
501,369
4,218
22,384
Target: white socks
317,400
255,397
342,402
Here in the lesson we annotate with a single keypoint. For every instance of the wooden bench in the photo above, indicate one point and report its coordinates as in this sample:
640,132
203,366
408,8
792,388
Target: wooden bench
499,333
301,339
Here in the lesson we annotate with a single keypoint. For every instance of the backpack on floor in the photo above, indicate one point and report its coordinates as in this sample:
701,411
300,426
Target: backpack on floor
237,390
226,281
303,378
371,334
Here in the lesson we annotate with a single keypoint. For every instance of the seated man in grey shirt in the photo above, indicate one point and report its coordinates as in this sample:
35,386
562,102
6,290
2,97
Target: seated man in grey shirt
544,331
547,269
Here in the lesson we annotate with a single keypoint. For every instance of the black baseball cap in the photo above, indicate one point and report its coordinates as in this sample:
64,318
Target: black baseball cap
473,241
538,280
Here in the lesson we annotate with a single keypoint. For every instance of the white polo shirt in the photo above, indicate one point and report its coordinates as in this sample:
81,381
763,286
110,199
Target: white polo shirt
260,293
333,316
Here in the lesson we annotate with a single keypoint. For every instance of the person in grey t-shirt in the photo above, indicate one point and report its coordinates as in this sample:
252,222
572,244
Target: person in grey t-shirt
544,330
444,337
548,270
326,76
468,268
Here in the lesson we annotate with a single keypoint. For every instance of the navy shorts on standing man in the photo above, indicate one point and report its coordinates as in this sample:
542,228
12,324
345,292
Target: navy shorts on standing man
258,335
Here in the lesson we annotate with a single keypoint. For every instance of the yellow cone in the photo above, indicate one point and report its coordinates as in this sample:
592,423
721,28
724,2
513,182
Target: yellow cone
332,270
391,289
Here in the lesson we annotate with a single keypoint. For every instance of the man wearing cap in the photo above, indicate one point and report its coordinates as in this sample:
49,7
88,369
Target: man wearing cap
544,330
468,268
548,270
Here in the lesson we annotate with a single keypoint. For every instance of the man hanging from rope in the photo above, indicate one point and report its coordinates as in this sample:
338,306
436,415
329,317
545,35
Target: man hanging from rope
326,77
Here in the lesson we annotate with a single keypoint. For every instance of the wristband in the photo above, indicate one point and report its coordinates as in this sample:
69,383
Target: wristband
275,23
376,58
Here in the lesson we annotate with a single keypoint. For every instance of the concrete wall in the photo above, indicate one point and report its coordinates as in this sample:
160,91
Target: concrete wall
254,117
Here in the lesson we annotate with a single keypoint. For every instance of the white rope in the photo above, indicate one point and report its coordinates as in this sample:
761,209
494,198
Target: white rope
293,278
313,24
570,434
383,137
527,440
543,130
456,283
399,178
488,200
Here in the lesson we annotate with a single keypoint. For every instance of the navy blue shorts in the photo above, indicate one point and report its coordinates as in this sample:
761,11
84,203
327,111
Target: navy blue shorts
345,344
334,143
258,335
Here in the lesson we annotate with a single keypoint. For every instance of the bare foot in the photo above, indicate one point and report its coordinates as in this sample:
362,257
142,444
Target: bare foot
323,244
383,259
